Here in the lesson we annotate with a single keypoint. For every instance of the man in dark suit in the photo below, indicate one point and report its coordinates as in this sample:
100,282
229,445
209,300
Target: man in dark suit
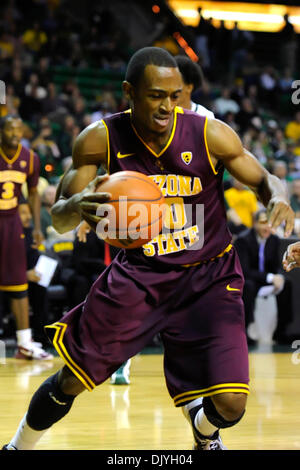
259,251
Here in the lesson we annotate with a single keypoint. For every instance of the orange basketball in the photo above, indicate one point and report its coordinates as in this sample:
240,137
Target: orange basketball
135,211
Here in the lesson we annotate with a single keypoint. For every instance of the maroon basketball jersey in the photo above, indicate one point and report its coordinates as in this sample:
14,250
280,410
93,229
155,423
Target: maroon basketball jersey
23,166
195,226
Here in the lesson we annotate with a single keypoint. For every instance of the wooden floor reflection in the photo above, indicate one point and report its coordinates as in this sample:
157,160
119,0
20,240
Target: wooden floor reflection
142,416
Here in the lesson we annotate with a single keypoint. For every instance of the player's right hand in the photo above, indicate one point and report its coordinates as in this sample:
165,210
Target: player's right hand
291,257
90,200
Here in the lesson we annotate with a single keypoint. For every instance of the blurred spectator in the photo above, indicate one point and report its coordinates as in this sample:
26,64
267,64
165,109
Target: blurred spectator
68,134
33,83
48,199
52,104
258,251
243,201
105,106
223,51
241,41
295,197
34,38
238,90
230,119
246,114
202,31
292,131
225,103
6,45
288,45
261,148
44,143
286,80
268,86
280,169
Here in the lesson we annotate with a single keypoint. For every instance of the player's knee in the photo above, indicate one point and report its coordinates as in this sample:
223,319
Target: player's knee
230,406
69,383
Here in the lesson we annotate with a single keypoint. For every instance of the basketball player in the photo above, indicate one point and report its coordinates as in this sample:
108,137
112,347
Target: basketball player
17,166
192,77
192,297
291,257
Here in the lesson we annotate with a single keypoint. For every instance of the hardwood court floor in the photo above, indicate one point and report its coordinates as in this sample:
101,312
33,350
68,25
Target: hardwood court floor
142,416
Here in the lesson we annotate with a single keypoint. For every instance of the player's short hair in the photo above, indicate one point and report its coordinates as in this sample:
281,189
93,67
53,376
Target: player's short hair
191,71
4,119
147,56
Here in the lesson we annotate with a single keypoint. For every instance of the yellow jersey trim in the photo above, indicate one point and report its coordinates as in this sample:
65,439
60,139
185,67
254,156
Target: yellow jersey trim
157,155
14,158
18,288
228,248
108,145
206,147
209,391
60,348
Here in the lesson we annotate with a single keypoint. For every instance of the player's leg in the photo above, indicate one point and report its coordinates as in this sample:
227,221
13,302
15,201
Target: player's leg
122,375
27,349
208,356
114,323
13,279
49,404
210,414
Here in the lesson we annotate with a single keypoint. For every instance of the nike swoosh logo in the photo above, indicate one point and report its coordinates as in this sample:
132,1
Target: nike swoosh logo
231,288
124,155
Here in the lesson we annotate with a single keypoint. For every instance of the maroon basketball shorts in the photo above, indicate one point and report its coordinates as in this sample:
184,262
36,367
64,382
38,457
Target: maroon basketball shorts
197,310
13,263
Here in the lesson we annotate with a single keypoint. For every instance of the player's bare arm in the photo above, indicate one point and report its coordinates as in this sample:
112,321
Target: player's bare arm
225,145
34,201
76,199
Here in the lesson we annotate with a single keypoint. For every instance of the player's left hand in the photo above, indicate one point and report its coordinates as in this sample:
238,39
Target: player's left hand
279,211
38,238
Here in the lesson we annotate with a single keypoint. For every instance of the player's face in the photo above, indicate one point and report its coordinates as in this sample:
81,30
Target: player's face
25,215
12,133
155,98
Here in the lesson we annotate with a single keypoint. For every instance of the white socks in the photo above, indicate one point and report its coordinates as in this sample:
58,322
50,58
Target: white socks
203,425
24,337
26,437
201,422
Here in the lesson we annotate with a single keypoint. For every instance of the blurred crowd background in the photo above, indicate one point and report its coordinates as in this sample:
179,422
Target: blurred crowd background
63,62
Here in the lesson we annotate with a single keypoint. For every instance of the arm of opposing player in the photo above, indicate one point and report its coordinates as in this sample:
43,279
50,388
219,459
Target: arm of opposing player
75,199
225,145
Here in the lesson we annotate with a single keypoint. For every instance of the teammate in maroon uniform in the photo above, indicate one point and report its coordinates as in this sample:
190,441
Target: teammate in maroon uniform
186,283
17,166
